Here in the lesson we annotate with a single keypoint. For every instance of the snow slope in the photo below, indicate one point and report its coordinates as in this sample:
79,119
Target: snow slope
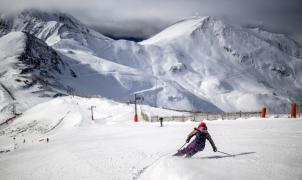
11,47
27,66
232,67
114,147
199,63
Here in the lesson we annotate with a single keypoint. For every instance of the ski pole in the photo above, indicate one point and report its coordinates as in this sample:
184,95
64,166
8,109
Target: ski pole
226,153
182,146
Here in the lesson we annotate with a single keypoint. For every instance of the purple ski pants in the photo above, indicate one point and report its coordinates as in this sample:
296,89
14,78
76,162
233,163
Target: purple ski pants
190,150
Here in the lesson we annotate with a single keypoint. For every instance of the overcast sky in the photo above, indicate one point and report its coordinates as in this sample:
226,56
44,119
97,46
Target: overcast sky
143,18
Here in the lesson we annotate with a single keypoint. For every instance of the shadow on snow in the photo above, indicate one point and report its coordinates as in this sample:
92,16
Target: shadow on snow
225,156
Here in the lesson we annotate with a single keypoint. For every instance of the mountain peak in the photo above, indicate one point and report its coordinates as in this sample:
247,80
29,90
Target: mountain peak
181,28
40,16
199,63
46,16
45,25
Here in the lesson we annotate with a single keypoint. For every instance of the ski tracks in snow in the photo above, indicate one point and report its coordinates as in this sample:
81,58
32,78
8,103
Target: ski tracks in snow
137,174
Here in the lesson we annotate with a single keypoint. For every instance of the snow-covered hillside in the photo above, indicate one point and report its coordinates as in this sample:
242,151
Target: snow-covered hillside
199,63
114,147
28,65
232,67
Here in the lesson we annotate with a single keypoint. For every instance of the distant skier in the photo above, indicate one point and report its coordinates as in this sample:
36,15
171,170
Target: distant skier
201,134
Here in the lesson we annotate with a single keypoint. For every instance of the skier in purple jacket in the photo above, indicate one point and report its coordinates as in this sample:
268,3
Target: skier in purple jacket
201,134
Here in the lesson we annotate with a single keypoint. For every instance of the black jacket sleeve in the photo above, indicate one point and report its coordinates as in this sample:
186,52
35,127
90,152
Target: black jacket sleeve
209,138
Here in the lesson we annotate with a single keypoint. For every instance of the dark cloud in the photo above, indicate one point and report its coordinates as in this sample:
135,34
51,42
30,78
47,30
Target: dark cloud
142,18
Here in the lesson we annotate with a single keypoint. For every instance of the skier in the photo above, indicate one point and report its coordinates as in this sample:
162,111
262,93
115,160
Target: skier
201,134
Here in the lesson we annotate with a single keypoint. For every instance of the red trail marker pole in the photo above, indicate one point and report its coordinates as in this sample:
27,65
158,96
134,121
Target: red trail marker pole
263,112
135,108
293,110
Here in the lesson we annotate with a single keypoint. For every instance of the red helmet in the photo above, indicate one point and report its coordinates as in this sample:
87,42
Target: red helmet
202,124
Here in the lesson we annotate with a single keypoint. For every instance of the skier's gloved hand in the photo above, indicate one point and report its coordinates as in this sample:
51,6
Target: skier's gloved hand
188,140
215,149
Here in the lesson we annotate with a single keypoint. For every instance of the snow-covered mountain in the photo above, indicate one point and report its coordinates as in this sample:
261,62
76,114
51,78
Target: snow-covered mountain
232,67
199,63
28,65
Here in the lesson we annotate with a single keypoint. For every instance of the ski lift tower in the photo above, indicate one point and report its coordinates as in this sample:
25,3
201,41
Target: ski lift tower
136,99
91,109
